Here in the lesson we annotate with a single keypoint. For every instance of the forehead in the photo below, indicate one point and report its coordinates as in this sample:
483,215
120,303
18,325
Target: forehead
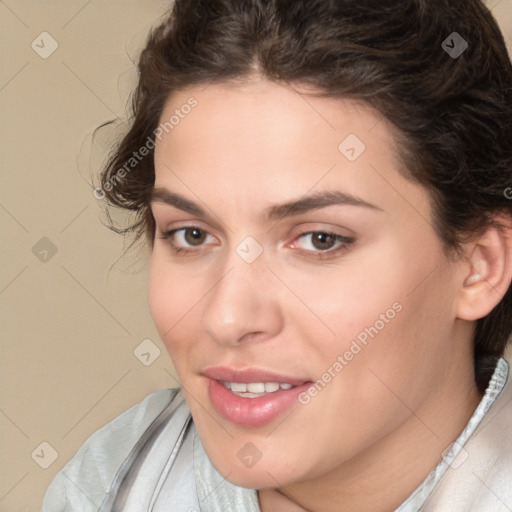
267,138
261,109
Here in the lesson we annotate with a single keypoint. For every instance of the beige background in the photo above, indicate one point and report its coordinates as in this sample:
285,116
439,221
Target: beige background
70,324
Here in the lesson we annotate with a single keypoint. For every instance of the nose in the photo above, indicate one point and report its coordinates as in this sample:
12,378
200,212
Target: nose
243,306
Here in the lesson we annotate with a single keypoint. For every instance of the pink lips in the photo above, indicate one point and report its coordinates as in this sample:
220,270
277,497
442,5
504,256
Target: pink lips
251,412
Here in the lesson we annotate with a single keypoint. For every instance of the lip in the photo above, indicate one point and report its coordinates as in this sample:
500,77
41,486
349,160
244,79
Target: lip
250,375
251,412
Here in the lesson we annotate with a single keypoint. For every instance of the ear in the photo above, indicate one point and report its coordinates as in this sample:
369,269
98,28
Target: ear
486,271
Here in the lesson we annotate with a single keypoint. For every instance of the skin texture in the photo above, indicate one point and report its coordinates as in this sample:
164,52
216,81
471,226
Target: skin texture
373,433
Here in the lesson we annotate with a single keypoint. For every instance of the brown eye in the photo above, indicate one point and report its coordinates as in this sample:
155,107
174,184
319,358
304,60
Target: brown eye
191,239
323,241
194,236
323,244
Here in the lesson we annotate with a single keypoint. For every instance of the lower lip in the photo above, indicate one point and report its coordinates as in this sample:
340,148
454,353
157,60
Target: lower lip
252,412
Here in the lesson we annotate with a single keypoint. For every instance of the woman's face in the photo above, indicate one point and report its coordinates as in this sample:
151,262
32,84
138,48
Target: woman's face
296,254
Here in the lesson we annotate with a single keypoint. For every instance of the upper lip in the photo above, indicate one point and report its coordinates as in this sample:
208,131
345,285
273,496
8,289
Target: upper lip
247,375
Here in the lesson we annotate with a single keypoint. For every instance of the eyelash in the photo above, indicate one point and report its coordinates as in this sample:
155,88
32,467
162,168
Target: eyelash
344,243
180,251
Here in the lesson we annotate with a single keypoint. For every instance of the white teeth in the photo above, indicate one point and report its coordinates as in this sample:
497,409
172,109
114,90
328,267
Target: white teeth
251,395
255,389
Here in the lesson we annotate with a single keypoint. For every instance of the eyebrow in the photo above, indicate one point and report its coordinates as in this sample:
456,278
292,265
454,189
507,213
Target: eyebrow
315,202
278,211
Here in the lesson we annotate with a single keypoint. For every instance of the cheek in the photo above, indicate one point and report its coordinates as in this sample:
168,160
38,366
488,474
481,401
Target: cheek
168,298
174,298
160,296
396,341
346,300
388,311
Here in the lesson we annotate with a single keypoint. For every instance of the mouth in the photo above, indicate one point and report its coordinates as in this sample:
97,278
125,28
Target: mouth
252,397
255,389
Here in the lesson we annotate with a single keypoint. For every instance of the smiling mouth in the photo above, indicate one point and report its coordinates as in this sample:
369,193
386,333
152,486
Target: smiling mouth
253,404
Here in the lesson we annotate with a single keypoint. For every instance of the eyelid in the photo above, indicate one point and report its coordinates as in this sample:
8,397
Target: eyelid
168,233
304,228
343,240
164,213
185,224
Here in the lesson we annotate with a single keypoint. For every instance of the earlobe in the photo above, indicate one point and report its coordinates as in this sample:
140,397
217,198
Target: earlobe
487,270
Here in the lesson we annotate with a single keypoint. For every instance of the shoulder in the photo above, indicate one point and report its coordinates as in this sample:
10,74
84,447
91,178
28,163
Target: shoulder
494,433
494,437
87,477
480,477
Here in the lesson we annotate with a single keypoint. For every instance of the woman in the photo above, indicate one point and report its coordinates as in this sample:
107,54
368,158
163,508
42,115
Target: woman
324,188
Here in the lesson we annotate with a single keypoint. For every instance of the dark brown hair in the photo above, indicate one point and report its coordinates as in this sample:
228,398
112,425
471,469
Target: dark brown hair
453,112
